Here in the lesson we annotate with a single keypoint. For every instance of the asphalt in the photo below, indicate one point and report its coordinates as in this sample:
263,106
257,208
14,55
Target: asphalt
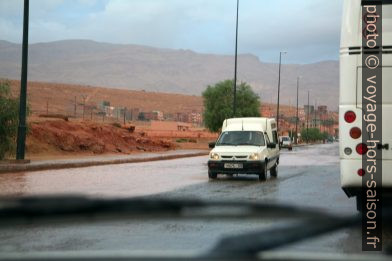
308,177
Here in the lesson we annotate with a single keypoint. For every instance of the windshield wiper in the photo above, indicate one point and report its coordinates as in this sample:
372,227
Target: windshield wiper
28,210
34,209
250,244
225,144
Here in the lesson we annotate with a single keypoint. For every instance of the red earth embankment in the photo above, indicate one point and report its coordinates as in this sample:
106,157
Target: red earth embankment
59,136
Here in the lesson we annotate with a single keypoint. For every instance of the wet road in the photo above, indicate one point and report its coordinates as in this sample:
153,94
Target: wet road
308,176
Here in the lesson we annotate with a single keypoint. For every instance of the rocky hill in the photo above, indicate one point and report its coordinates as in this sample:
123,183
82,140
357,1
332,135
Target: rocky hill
136,67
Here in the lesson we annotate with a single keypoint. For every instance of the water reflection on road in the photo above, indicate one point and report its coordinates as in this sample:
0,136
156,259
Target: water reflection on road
135,179
308,176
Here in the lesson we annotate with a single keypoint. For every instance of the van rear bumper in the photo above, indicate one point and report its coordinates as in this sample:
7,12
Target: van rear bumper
249,167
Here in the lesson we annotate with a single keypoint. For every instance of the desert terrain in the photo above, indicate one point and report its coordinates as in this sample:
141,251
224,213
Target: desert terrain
54,137
60,98
86,133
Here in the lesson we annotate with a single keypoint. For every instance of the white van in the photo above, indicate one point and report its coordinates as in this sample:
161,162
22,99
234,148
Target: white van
285,142
245,146
350,105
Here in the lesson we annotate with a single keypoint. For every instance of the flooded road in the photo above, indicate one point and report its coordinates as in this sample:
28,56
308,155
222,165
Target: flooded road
120,180
308,176
149,178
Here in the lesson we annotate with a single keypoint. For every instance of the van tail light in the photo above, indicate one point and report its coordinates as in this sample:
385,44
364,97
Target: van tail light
362,149
355,133
350,116
361,172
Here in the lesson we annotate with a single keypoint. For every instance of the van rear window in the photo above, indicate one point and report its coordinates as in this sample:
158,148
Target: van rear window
275,137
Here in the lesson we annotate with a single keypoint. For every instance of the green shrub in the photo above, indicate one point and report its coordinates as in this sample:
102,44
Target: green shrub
9,108
313,134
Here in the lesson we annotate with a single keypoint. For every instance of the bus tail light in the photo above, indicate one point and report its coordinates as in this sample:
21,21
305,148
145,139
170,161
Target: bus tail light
350,116
361,172
361,148
355,133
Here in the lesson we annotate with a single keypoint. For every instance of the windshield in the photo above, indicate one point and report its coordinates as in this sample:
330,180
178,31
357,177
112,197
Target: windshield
120,129
235,138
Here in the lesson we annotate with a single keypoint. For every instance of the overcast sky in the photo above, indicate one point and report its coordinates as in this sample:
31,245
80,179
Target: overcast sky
308,29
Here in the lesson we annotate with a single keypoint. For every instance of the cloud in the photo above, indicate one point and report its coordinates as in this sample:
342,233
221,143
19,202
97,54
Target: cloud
309,29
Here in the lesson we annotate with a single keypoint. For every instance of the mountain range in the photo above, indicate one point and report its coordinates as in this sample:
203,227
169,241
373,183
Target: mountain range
181,71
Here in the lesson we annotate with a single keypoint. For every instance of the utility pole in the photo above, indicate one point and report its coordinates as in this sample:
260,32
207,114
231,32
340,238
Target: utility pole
297,119
75,107
315,115
84,104
235,64
277,111
21,139
125,113
307,120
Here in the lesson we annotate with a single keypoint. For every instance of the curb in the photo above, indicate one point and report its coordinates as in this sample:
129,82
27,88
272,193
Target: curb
68,165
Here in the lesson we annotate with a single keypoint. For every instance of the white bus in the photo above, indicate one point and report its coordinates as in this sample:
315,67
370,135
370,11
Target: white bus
350,105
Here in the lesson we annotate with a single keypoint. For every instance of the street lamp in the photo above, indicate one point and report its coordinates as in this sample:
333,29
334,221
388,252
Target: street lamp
297,118
307,119
21,139
235,64
277,112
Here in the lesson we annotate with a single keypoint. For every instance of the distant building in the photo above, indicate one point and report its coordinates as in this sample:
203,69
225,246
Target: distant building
309,109
323,109
322,112
134,114
151,116
195,117
105,108
182,117
103,104
109,111
301,115
168,117
148,116
158,115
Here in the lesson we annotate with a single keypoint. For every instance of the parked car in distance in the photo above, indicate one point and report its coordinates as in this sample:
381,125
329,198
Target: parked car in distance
285,142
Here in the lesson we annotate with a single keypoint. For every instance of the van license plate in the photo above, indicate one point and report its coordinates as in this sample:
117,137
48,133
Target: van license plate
234,166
